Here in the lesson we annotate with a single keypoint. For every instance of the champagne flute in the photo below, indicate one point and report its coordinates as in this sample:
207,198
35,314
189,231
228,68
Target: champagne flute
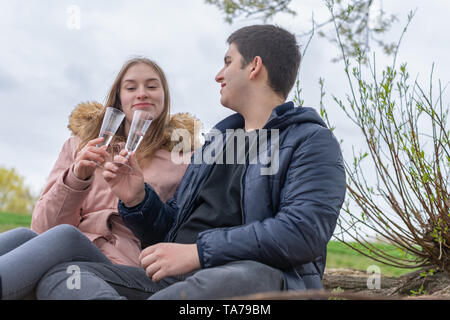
141,122
111,123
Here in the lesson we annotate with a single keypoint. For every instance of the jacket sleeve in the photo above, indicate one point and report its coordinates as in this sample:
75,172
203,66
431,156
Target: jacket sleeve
151,220
310,203
60,202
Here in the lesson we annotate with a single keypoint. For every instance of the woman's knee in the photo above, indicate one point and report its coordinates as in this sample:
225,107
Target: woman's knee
24,234
14,238
66,231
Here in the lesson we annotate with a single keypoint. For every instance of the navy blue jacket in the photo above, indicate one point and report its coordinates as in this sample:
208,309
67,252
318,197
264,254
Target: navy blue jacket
288,217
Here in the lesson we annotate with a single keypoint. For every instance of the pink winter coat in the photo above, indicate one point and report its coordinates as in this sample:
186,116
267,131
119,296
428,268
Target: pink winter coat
92,208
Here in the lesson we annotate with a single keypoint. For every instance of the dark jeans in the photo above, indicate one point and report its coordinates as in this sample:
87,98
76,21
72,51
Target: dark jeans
107,281
26,256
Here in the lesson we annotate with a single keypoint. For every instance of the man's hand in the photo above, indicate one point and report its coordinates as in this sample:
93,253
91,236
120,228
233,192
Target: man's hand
169,259
127,186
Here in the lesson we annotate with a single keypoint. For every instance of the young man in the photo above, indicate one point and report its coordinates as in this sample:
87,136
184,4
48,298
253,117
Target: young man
232,229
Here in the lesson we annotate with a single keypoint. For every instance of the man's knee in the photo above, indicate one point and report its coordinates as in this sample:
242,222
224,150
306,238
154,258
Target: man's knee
242,276
230,280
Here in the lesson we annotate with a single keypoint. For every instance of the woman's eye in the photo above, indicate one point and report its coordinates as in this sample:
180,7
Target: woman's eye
151,87
130,89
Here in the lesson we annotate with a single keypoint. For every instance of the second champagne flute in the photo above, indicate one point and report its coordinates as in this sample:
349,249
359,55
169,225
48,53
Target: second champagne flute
141,122
111,122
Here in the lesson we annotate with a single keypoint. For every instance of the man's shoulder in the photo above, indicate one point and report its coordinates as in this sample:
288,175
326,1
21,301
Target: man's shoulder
298,132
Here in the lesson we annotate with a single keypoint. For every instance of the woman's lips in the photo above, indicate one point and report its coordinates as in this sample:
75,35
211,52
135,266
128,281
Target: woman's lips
142,105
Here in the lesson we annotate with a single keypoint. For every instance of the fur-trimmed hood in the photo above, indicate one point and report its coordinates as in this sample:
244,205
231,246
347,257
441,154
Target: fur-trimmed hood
82,119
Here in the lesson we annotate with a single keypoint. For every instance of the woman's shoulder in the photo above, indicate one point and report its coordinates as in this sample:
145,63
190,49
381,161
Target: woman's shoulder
180,123
184,120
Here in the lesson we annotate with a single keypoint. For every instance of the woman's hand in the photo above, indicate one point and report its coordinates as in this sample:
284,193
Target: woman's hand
88,158
127,186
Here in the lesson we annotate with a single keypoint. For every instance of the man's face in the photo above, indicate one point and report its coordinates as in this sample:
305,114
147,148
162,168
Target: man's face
233,79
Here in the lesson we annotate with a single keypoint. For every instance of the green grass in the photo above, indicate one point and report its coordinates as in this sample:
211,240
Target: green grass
14,220
339,254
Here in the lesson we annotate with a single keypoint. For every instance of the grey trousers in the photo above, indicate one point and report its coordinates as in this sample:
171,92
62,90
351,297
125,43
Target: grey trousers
99,281
26,256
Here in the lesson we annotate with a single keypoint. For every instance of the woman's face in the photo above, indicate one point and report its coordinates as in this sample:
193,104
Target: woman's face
141,89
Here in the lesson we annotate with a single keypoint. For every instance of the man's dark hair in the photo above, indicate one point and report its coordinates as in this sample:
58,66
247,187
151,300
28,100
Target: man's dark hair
278,50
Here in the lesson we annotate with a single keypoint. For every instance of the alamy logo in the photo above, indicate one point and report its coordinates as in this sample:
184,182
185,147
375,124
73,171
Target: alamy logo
74,280
74,17
374,280
234,147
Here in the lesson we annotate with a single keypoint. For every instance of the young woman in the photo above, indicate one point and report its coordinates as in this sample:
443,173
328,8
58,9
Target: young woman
76,216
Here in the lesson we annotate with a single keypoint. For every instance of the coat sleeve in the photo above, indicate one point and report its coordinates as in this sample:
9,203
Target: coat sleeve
63,195
312,197
151,220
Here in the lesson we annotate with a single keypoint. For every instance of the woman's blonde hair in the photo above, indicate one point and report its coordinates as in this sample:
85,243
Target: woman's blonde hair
156,136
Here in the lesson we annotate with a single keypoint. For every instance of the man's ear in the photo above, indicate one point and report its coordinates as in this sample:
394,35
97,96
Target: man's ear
255,67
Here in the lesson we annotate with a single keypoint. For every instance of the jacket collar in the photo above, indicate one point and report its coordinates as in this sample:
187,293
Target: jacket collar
236,121
280,111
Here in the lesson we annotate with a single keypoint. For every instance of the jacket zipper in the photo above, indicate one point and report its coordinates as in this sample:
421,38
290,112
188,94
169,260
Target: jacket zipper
244,171
242,194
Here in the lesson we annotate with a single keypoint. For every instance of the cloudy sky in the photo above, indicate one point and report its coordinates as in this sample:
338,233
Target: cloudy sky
48,65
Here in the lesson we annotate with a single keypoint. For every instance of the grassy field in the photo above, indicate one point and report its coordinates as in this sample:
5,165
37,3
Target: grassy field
13,220
339,254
